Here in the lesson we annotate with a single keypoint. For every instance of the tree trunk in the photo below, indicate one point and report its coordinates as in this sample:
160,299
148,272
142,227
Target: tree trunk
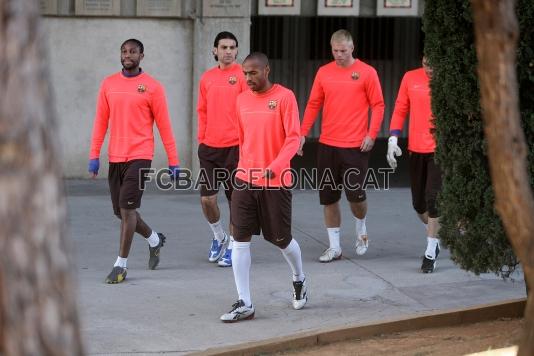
38,313
496,34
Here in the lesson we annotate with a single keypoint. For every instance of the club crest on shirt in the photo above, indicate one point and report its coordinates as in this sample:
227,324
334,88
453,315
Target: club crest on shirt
232,79
141,88
272,104
355,75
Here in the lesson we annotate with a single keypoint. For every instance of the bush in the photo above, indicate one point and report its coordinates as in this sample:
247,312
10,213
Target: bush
471,228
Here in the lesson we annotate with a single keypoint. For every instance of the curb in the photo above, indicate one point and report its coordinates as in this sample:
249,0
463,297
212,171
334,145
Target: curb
509,308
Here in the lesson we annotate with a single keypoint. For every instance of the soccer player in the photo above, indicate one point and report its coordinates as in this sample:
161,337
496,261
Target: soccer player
425,174
268,126
218,149
130,101
345,88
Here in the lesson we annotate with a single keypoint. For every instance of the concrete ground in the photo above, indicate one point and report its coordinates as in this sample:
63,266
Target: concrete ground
175,309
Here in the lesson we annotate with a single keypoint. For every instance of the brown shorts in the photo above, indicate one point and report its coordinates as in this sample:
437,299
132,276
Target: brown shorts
217,165
425,179
341,168
256,210
127,183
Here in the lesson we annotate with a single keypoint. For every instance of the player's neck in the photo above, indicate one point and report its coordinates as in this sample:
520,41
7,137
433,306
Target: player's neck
348,63
132,72
223,66
265,89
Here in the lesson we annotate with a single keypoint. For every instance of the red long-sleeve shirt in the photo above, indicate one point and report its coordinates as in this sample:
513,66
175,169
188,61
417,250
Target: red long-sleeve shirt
269,135
414,97
130,106
217,94
345,94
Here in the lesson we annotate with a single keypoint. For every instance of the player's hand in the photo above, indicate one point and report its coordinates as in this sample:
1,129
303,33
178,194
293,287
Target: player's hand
174,172
93,167
367,144
268,174
393,150
300,152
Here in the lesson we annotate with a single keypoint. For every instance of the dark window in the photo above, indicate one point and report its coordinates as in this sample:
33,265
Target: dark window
277,35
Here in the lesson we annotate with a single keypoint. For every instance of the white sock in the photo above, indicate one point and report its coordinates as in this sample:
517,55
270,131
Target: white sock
121,262
241,266
333,237
293,257
231,243
361,229
218,231
153,239
430,252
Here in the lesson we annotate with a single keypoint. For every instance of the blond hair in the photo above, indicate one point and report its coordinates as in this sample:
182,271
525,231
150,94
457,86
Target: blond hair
340,36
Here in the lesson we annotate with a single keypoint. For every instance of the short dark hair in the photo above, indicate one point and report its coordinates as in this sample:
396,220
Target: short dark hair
136,42
258,56
224,35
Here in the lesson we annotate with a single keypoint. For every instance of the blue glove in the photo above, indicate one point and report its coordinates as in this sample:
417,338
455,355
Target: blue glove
174,171
93,166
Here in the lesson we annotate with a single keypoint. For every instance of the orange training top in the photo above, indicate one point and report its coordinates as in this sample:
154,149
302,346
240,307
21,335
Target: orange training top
130,105
347,94
414,97
217,94
268,126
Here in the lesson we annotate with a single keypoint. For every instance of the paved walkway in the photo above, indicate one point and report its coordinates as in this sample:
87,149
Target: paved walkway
175,309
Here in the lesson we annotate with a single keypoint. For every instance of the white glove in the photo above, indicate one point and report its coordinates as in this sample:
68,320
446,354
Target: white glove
393,150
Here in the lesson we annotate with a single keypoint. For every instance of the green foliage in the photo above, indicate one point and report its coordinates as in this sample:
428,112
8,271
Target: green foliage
525,75
470,227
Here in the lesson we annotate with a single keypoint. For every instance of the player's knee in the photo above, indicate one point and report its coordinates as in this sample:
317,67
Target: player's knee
128,214
420,209
242,238
432,209
330,200
210,200
281,243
